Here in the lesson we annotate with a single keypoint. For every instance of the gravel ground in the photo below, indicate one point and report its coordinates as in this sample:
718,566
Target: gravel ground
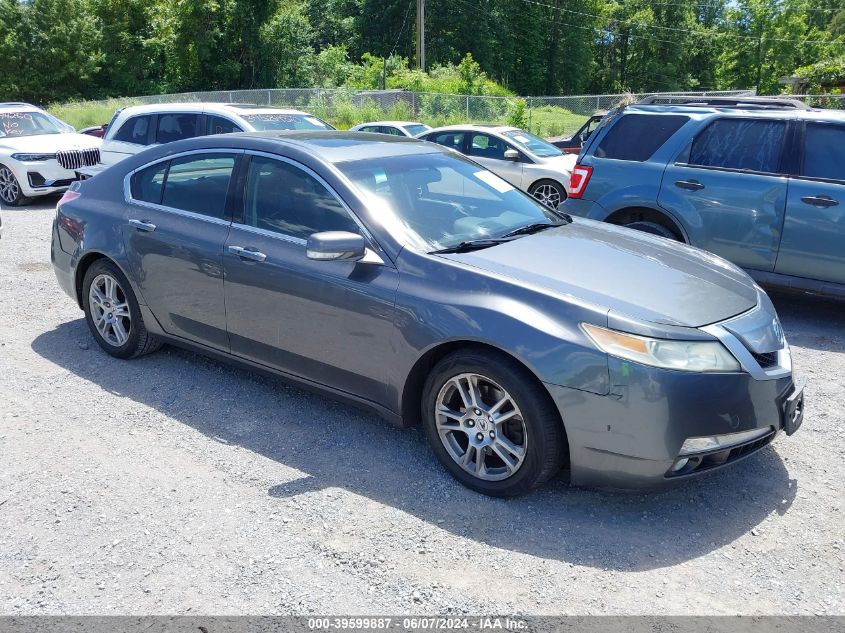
176,484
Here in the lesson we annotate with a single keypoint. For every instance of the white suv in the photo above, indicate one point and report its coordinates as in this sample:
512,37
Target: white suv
39,153
136,127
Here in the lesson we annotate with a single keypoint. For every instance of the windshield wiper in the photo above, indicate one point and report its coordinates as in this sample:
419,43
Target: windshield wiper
472,245
534,228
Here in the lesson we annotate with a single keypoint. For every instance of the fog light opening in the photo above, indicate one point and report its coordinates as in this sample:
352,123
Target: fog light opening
680,464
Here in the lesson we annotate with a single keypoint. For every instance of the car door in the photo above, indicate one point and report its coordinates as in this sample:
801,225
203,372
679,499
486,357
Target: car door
327,321
490,151
130,138
177,226
175,126
730,190
813,243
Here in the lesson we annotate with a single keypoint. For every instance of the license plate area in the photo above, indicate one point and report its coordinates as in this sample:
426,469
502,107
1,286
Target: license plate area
793,410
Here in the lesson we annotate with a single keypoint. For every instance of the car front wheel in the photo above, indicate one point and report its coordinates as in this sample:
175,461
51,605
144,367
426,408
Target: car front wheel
10,188
491,424
112,312
549,192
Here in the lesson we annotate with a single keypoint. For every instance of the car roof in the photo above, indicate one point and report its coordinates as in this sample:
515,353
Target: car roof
18,106
199,107
739,111
394,123
331,146
477,127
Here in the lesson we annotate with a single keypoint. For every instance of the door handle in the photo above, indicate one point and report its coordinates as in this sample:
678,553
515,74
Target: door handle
820,201
691,185
247,253
143,225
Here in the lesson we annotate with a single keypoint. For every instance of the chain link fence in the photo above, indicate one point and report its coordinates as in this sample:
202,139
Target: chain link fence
545,116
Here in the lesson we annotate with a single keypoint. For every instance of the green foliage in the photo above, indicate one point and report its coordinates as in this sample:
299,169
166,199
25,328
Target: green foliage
823,76
517,115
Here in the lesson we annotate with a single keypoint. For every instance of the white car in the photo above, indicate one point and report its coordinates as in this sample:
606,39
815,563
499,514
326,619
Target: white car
524,160
136,127
39,153
396,128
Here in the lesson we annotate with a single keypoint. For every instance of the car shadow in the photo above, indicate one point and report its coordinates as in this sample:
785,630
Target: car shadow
811,321
339,446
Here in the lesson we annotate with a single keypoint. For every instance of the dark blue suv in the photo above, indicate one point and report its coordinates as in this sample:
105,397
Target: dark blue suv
763,187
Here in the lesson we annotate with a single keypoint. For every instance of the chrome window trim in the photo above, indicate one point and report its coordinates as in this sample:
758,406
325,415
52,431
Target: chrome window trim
127,185
374,245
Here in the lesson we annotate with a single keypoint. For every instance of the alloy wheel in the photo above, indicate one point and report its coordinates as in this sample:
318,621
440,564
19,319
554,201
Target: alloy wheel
481,427
548,194
9,187
109,310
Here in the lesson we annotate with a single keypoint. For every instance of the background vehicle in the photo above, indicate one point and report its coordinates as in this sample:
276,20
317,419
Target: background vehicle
405,277
98,131
574,143
39,153
524,160
136,127
760,182
396,128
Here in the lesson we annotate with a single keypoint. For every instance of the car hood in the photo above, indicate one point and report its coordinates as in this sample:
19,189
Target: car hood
645,277
49,143
564,162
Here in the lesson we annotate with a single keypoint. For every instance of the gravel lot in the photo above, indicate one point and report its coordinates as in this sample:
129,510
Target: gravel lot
176,484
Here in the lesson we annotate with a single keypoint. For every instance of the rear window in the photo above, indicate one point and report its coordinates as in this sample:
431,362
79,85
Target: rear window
824,152
637,136
740,144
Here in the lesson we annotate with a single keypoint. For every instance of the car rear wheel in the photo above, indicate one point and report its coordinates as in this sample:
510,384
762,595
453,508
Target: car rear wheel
10,188
491,424
654,229
548,192
112,312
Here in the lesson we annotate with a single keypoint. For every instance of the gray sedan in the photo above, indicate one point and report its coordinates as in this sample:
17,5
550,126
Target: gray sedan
401,276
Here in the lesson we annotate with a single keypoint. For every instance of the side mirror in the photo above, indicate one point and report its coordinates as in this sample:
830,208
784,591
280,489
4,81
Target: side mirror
511,154
336,246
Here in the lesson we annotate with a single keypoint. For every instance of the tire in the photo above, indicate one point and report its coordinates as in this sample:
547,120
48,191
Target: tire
549,192
654,229
10,189
530,425
121,330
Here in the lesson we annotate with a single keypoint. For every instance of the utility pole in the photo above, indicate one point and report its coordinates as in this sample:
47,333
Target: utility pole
421,34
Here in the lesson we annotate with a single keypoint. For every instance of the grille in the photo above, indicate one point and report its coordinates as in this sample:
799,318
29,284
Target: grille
76,158
769,359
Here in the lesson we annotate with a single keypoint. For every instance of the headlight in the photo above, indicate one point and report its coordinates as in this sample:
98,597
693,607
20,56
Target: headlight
680,355
33,158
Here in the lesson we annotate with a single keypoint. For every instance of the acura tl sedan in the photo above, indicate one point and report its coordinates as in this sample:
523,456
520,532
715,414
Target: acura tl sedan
402,276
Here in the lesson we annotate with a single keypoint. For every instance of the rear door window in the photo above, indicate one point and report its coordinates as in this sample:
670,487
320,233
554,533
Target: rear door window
746,144
147,184
199,183
176,126
824,152
135,130
455,140
636,137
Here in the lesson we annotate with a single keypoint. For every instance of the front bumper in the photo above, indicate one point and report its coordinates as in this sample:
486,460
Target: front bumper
631,437
42,177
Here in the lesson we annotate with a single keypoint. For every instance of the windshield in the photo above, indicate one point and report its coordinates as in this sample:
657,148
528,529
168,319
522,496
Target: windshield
274,121
440,201
533,144
419,128
13,124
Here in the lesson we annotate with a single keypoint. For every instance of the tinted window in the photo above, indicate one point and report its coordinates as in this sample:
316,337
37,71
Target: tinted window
285,199
176,126
824,153
455,140
199,183
740,144
637,136
484,146
135,130
147,183
388,129
220,125
369,128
